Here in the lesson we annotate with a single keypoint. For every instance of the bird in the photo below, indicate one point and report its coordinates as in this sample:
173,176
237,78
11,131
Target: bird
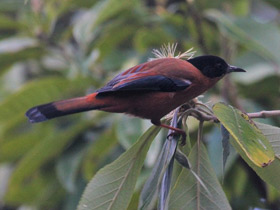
149,90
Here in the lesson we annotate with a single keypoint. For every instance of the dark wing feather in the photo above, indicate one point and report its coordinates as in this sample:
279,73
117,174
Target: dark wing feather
133,72
147,83
163,75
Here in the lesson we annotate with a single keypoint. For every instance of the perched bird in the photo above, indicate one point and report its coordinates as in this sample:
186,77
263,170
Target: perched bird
149,90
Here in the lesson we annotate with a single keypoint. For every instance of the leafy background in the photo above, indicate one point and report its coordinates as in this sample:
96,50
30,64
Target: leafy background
51,50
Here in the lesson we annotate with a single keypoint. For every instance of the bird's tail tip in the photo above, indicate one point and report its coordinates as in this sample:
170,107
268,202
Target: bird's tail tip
35,114
61,108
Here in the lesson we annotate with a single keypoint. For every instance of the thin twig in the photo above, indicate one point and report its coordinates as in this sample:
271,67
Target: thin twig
264,114
261,114
200,129
199,141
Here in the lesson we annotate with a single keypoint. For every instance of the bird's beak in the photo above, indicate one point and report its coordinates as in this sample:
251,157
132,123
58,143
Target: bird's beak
234,69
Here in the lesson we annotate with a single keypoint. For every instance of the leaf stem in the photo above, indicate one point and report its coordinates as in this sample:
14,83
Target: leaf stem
199,139
199,134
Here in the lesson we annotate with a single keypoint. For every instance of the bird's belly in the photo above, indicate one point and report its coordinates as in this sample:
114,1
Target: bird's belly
150,105
153,106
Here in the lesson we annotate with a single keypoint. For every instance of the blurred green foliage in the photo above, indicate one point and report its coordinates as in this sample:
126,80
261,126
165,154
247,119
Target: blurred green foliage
52,50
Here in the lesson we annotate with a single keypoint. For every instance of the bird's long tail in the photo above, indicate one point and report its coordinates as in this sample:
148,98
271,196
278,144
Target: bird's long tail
64,107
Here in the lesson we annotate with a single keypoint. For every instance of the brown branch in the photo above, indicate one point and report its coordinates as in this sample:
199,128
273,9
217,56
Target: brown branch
264,114
261,114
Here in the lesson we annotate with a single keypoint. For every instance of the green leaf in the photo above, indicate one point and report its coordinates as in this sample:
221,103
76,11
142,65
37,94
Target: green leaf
128,130
7,59
159,181
112,187
31,94
11,5
134,201
13,148
267,84
272,133
37,92
245,133
13,45
226,145
150,37
71,200
272,194
68,166
101,11
268,174
7,23
111,37
49,147
182,159
215,151
18,49
251,33
151,188
38,186
275,3
188,192
98,151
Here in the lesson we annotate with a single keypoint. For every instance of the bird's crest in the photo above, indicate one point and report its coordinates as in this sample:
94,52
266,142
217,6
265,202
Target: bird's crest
168,51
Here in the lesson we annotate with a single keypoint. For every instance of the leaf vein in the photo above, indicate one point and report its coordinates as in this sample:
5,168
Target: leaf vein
102,204
122,183
183,193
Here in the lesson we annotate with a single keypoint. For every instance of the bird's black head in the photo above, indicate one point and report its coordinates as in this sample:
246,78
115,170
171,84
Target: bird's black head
213,66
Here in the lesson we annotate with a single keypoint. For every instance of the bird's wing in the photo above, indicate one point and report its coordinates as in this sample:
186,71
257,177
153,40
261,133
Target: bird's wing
143,78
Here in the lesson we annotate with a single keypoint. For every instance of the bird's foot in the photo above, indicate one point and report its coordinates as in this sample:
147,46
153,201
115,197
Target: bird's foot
175,132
